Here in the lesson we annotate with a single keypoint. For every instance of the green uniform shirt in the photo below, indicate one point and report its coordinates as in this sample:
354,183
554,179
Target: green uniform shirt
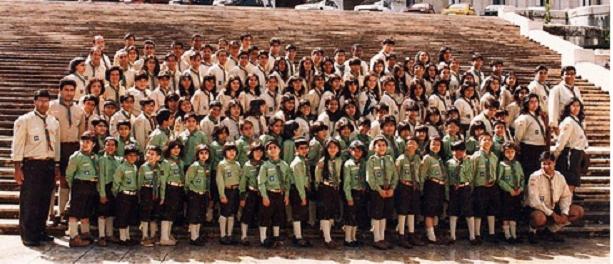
316,152
446,152
484,168
216,153
198,177
459,172
228,174
289,150
364,138
122,143
81,166
249,177
432,167
497,146
344,142
191,140
270,137
274,175
160,137
408,169
149,176
300,176
107,165
242,144
354,176
381,173
472,145
334,169
125,178
172,171
510,176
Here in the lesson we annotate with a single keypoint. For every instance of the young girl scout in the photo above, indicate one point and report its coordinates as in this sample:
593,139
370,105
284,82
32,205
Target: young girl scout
433,173
107,164
511,182
299,181
250,199
228,175
408,194
125,187
328,179
485,194
171,189
197,185
148,185
460,174
355,187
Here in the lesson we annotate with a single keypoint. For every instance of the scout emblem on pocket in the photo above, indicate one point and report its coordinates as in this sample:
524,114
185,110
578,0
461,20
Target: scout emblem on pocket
271,178
542,198
36,138
228,174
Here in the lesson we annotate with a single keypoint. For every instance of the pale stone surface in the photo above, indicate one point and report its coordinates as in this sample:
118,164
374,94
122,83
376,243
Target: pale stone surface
593,251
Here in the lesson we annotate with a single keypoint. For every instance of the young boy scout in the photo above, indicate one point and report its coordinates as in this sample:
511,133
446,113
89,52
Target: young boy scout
452,127
124,138
485,195
434,175
125,113
228,175
191,137
355,187
144,123
148,191
248,187
511,182
300,184
162,133
82,179
197,185
273,180
319,131
125,187
460,174
243,143
408,194
107,164
382,178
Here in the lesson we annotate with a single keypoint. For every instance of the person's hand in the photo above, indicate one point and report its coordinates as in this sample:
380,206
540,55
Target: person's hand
558,219
286,200
223,200
265,202
161,201
390,193
18,176
563,219
242,203
103,200
350,202
304,202
382,193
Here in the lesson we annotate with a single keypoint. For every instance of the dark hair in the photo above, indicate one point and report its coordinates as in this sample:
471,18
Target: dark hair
162,115
290,88
289,128
566,111
218,129
567,68
526,102
172,144
233,103
64,82
326,172
547,156
91,82
191,89
412,88
112,69
228,91
257,86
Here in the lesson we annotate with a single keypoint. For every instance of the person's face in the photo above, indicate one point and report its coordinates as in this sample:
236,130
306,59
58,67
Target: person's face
305,110
282,66
152,156
99,42
423,57
222,57
290,105
186,82
124,131
149,49
411,146
533,104
95,88
478,63
434,118
350,110
132,55
364,129
575,108
498,69
100,129
495,85
164,82
308,65
271,84
453,129
252,82
421,135
243,60
235,111
191,124
277,127
258,154
542,75
413,114
485,142
381,147
110,147
509,153
569,77
499,130
223,136
172,106
302,150
292,54
511,80
96,55
150,65
197,42
89,106
445,74
148,108
371,82
388,48
418,71
171,62
332,149
86,145
333,106
177,50
357,52
522,94
206,53
379,67
273,151
142,84
432,71
454,65
130,42
316,57
340,58
114,77
275,48
389,129
246,41
176,151
195,62
435,146
109,110
459,154
68,92
203,155
319,82
322,134
131,158
128,104
262,60
469,92
345,131
247,130
390,87
328,67
548,166
442,89
419,90
80,68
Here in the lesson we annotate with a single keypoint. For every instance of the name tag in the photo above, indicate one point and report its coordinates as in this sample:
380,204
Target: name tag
272,178
36,138
536,132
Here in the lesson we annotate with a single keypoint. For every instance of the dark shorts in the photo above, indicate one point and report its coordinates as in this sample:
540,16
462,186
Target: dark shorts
486,201
146,204
569,164
328,202
196,207
253,203
434,196
529,158
83,199
127,206
107,209
299,212
355,215
510,206
172,202
381,208
66,150
407,200
460,202
274,214
231,207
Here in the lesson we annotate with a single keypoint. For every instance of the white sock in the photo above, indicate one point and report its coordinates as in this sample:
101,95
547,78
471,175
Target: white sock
382,223
375,230
401,224
347,230
165,232
430,233
297,230
491,224
507,232
411,223
63,200
325,224
101,227
73,228
144,228
478,226
470,222
193,235
513,228
85,228
198,229
153,228
531,229
230,225
275,231
354,231
223,221
262,234
109,226
453,221
435,221
209,214
244,229
123,234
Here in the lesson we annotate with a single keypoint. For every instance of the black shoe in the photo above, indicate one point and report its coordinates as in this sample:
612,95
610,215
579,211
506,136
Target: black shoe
380,245
518,240
532,238
29,243
412,238
276,242
404,243
302,243
46,238
268,243
330,245
199,242
245,242
233,240
479,240
474,242
510,240
451,242
350,244
225,240
491,239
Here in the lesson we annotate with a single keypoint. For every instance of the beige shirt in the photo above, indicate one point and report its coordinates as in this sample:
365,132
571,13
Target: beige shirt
528,131
572,135
559,96
72,126
30,140
142,128
545,192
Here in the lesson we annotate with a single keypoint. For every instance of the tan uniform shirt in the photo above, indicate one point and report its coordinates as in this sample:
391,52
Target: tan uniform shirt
545,192
72,123
30,139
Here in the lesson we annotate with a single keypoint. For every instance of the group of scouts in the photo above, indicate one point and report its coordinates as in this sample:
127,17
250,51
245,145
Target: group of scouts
256,137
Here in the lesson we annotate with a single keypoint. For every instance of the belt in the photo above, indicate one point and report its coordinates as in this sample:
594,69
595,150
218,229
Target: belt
406,182
460,185
89,181
437,181
33,159
253,189
147,186
129,192
232,187
359,190
176,184
330,184
199,193
275,191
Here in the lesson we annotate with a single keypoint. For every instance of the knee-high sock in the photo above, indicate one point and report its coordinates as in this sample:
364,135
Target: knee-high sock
326,227
223,221
478,226
165,232
507,232
435,221
230,225
430,233
312,213
262,234
209,214
85,227
382,223
153,228
73,228
453,221
276,231
123,234
297,229
513,228
347,230
101,227
144,228
354,231
470,222
193,232
244,229
491,224
109,226
63,196
401,224
411,223
375,230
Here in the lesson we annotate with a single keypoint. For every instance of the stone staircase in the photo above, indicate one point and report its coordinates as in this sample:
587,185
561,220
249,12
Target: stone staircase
39,38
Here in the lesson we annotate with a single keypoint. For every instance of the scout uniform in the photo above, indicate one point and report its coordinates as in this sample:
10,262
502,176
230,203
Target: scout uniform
160,137
408,194
122,143
191,140
249,193
197,185
510,178
434,176
82,179
570,148
530,133
328,181
228,178
355,188
148,185
447,141
381,175
486,197
559,96
125,188
107,164
116,118
273,183
242,144
172,183
299,181
460,187
142,127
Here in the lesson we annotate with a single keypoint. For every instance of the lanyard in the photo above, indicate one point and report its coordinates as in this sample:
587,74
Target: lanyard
540,126
47,137
67,109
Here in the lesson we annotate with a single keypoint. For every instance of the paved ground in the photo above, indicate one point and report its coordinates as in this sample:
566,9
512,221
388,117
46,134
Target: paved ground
591,251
